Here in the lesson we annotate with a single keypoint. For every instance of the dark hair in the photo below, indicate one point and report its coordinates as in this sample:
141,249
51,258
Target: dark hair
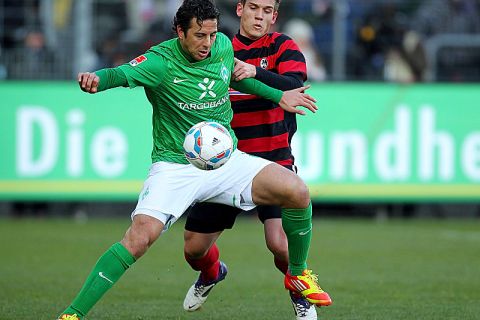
200,9
277,3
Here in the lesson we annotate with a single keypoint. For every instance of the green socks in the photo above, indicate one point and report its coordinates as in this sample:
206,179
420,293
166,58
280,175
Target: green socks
108,269
297,224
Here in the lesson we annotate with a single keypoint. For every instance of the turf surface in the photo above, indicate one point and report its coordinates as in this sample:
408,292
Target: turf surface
413,269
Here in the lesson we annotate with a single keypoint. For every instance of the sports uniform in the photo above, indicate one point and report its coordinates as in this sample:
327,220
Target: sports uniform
182,96
186,81
263,128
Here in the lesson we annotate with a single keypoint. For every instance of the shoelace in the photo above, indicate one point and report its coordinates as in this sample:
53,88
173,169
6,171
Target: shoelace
314,277
301,309
198,290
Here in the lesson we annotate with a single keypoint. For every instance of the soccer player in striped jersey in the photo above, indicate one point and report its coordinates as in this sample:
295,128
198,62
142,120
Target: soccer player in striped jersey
174,75
263,129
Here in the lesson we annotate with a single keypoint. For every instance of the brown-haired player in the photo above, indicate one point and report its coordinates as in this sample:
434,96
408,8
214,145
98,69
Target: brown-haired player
264,129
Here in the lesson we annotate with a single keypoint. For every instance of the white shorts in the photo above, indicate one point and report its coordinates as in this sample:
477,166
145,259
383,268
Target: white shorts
172,187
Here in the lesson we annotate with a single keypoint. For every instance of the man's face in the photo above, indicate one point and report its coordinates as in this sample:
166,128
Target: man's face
198,40
256,17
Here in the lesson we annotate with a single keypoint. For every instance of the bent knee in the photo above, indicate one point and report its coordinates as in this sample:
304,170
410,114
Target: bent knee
194,253
301,196
279,250
141,235
137,245
194,250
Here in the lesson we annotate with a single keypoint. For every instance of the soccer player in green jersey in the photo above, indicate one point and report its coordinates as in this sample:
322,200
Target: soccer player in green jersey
186,80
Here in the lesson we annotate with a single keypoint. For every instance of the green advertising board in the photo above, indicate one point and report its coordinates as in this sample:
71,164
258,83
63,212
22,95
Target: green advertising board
367,142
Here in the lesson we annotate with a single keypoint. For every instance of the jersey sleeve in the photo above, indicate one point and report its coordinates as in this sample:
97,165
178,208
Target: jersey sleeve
146,70
252,86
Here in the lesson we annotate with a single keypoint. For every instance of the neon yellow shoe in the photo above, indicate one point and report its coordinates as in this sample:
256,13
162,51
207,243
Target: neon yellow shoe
306,285
69,317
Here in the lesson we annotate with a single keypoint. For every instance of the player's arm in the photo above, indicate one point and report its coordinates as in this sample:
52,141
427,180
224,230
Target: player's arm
290,66
288,100
287,81
145,70
100,80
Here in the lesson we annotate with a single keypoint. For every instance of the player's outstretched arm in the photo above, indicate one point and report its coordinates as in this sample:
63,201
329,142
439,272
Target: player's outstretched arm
244,70
288,100
88,82
292,99
103,79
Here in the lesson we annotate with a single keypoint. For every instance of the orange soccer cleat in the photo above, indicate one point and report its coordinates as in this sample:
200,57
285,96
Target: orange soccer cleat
69,317
306,285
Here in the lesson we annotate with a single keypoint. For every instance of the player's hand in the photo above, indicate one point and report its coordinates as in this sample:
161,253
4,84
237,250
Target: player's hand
292,99
88,82
243,70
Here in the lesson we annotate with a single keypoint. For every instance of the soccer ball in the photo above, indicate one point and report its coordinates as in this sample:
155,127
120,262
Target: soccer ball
208,145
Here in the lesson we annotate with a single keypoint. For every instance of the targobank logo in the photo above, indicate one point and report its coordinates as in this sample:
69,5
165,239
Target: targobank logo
207,89
204,105
207,86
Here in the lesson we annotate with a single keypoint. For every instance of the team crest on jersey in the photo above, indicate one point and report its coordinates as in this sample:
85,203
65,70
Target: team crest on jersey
264,63
135,62
224,73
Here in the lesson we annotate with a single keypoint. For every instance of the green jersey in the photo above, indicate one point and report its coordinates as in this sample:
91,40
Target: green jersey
183,93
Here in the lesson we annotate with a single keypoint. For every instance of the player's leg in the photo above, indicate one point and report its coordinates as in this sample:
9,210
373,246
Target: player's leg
277,243
275,238
262,182
275,185
205,222
143,231
201,253
149,220
212,270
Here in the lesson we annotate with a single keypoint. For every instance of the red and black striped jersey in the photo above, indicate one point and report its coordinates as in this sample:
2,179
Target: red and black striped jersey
262,127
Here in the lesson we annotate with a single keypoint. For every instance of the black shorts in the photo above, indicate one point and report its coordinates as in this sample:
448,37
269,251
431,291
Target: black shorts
206,217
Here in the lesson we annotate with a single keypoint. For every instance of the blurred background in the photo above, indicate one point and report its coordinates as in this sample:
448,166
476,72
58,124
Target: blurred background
397,133
393,152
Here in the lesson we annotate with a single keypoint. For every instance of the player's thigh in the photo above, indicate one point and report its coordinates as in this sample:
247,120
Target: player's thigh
168,191
276,185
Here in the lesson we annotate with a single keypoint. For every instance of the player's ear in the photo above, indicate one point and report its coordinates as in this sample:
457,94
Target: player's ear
239,9
275,15
180,33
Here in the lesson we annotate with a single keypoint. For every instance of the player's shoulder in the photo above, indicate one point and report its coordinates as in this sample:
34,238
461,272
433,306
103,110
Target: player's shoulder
280,37
163,47
223,47
222,39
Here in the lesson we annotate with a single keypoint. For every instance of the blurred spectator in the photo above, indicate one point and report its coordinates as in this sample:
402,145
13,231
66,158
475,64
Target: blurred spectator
436,17
385,47
406,62
378,33
319,14
302,33
32,60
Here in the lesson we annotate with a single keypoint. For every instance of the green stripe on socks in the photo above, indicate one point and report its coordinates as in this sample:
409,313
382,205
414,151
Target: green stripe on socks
297,224
106,272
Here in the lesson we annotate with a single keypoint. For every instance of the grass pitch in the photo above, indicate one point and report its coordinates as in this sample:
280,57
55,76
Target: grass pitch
413,269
